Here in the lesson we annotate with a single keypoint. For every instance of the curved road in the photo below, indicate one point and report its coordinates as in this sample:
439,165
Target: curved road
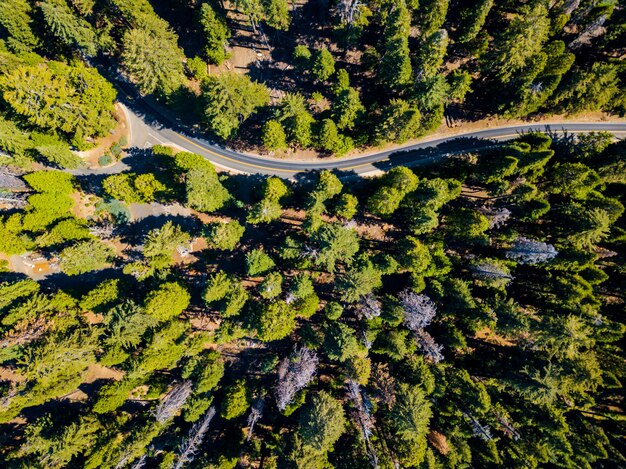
144,135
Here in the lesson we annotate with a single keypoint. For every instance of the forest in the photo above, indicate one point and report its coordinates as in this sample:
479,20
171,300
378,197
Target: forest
463,315
467,312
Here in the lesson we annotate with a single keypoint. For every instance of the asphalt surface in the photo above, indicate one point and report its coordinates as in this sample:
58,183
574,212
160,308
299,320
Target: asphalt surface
145,135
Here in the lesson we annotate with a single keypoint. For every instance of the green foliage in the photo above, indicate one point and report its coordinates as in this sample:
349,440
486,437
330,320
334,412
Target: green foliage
236,401
85,256
231,98
347,108
225,236
70,229
218,285
329,139
258,262
274,136
77,101
301,55
271,287
347,206
409,419
216,34
275,321
522,39
167,302
395,70
104,294
153,59
13,140
294,114
11,291
473,20
265,211
131,187
359,281
69,28
337,244
204,191
596,89
162,242
322,422
323,66
16,17
50,181
399,121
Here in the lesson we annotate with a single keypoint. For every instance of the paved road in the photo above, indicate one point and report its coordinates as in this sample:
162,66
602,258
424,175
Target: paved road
144,135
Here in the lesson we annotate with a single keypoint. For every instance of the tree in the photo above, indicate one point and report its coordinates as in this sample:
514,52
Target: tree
131,187
231,98
271,287
275,321
295,373
347,206
324,65
236,401
274,136
591,90
432,15
409,419
395,69
399,121
301,56
73,100
277,14
432,54
296,118
573,180
521,40
328,186
274,189
258,262
167,302
322,422
218,285
473,20
104,294
527,251
16,19
85,256
153,60
55,448
162,242
216,34
342,83
335,244
460,85
51,181
265,211
347,108
68,27
225,235
329,139
13,140
204,190
359,281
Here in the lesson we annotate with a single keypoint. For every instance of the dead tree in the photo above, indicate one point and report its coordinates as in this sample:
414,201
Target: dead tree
173,402
294,373
188,449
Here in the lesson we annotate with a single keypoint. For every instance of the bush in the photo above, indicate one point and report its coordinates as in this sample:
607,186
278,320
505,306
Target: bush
105,160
